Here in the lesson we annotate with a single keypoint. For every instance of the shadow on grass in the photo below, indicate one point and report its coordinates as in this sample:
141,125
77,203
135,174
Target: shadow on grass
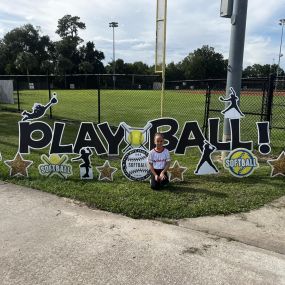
255,179
9,123
9,144
184,188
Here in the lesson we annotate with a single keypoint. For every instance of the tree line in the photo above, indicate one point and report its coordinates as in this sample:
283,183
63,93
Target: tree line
24,50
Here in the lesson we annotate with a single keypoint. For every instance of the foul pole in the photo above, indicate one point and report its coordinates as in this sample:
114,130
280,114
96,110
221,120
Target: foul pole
160,48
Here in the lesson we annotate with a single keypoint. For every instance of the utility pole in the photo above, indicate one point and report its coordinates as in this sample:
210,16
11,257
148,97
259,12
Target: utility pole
281,23
114,25
237,11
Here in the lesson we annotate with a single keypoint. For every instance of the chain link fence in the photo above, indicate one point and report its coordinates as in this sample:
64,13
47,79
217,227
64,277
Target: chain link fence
262,99
252,104
136,99
185,100
278,113
96,98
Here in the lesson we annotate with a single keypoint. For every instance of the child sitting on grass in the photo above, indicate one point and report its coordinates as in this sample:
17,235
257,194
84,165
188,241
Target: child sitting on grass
159,162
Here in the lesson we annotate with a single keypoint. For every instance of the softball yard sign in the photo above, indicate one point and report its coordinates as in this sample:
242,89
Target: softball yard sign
133,145
241,162
55,165
134,164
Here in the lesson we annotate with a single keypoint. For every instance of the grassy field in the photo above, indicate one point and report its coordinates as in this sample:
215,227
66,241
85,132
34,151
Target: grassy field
136,107
197,196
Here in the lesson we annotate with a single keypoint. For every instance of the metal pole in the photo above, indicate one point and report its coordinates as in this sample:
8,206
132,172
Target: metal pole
207,110
238,21
18,94
163,63
114,25
49,95
114,60
270,99
282,23
99,97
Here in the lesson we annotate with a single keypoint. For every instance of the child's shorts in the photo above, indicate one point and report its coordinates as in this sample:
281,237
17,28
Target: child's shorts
156,185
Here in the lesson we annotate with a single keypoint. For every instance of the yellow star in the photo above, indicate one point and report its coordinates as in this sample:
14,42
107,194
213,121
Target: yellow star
106,171
18,166
176,172
277,165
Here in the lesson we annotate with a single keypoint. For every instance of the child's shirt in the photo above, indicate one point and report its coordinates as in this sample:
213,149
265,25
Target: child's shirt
159,159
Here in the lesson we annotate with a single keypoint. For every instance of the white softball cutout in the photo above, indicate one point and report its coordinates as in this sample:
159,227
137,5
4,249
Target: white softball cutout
135,166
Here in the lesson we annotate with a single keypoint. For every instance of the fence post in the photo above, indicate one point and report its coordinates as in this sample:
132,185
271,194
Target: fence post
49,95
18,94
207,110
264,102
270,94
133,81
99,98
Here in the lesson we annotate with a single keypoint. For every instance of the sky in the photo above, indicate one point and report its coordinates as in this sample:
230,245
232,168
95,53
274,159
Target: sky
190,25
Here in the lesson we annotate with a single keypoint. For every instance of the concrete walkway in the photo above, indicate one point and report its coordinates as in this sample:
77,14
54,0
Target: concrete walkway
45,239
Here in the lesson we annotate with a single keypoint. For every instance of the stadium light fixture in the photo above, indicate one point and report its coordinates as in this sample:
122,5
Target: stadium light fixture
226,10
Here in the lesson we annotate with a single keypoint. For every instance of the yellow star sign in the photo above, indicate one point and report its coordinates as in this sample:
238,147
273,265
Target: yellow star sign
18,166
277,165
176,172
106,171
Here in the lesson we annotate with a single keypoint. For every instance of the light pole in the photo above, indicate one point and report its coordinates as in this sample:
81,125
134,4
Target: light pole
236,10
281,23
114,25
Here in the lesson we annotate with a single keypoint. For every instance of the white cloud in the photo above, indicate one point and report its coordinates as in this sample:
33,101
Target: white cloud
258,50
29,18
142,46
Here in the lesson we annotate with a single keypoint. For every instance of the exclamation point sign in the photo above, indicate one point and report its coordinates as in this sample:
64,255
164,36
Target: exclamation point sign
263,138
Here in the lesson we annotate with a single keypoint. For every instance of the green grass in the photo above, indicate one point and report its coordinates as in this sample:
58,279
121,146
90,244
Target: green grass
136,107
197,196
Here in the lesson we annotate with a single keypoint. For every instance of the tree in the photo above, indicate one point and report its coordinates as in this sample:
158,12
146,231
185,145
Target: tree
25,39
88,53
64,65
258,70
137,67
25,62
85,67
63,56
67,48
281,71
140,68
68,27
120,66
47,67
204,63
174,72
3,57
